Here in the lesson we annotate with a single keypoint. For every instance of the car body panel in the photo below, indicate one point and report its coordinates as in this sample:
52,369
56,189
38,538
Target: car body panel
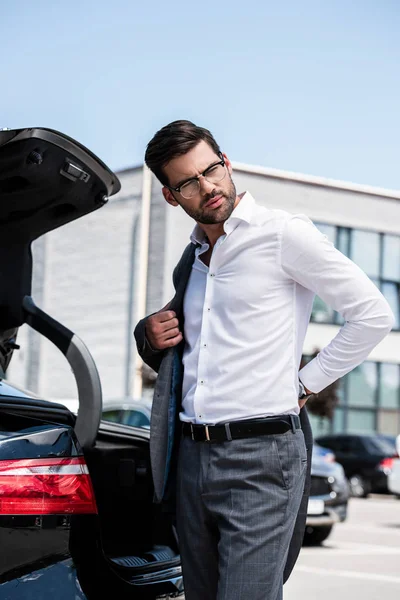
329,494
362,455
329,490
58,580
394,478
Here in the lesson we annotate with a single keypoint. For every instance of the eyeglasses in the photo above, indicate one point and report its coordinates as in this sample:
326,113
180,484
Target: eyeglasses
213,174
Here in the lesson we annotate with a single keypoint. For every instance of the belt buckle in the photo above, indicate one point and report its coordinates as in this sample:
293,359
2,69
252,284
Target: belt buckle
192,431
207,433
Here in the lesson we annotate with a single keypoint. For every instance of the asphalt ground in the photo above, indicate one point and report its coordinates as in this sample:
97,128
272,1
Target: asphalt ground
359,560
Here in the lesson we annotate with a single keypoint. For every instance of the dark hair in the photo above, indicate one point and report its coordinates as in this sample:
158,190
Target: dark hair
173,140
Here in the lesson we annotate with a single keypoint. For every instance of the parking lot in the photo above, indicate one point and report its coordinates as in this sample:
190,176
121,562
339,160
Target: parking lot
359,560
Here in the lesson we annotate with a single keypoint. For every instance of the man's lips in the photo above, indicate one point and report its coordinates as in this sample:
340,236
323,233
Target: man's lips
214,202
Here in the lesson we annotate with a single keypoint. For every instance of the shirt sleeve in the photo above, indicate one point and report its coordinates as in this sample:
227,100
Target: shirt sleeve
309,258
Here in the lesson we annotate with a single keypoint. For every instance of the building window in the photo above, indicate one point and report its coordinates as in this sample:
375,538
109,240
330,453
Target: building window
361,421
391,257
338,420
391,292
362,384
369,401
389,386
377,254
388,422
365,251
321,312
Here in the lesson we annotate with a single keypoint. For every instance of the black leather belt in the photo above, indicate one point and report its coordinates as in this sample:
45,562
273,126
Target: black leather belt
241,429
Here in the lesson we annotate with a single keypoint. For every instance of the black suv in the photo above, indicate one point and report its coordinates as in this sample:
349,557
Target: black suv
76,513
366,459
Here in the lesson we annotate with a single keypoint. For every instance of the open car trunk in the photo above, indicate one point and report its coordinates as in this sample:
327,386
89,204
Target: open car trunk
129,548
137,538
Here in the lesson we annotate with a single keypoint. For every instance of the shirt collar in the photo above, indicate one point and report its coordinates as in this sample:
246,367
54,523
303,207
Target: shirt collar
242,212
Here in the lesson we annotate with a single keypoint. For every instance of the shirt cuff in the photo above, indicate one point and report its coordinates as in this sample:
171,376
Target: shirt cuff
314,378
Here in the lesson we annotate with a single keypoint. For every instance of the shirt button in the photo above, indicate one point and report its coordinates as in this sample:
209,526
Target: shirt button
204,345
212,274
201,382
208,309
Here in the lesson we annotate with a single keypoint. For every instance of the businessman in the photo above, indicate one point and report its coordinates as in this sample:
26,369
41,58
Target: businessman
229,434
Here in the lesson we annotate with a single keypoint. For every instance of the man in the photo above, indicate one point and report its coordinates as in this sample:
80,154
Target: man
227,348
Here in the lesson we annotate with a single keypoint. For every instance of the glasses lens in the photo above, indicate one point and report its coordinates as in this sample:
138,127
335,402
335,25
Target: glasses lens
190,188
215,173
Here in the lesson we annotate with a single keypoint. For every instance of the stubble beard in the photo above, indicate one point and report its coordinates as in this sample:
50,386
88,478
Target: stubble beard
210,216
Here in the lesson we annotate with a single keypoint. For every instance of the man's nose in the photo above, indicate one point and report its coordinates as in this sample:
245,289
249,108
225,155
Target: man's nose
206,186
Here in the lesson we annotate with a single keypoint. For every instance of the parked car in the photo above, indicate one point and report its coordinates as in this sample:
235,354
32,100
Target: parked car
367,460
394,475
135,413
394,478
329,496
128,412
76,513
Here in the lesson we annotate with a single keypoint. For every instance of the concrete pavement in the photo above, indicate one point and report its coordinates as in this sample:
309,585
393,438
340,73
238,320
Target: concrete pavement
360,560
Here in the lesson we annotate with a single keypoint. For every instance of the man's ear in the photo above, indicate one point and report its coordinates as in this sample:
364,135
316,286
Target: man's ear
227,163
169,197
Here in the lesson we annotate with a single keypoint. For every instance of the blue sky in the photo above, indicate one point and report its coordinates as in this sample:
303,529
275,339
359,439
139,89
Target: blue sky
304,86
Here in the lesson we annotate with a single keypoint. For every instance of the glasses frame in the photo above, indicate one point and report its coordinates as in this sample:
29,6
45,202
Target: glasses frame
197,179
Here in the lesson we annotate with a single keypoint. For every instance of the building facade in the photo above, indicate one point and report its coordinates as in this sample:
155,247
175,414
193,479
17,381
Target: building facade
100,274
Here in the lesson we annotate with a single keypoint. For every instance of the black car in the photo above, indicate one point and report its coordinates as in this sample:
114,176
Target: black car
76,513
329,495
366,459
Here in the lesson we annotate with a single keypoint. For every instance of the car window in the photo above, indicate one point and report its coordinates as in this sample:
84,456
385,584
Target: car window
377,445
345,447
351,445
331,444
111,415
135,418
357,446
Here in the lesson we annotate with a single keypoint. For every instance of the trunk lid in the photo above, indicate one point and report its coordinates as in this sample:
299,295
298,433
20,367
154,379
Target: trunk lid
47,179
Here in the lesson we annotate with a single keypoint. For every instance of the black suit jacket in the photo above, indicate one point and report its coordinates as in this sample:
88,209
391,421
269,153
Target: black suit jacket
164,430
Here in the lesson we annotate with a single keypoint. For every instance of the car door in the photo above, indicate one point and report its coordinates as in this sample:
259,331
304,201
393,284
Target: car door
76,514
348,453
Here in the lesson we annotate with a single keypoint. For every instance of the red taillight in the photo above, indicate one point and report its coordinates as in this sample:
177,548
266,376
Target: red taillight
386,464
329,457
43,486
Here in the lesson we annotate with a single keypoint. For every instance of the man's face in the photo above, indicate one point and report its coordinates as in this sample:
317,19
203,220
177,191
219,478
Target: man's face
214,202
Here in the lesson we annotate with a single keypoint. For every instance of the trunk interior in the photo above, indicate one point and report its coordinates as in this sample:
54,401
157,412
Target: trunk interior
138,540
132,526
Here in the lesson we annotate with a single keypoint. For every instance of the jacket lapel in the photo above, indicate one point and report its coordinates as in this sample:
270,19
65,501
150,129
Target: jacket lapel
168,386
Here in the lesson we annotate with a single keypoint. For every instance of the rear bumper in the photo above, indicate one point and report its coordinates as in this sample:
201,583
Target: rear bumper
379,482
330,516
58,580
394,478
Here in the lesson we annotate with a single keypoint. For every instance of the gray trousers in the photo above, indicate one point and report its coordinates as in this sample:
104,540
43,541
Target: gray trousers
237,506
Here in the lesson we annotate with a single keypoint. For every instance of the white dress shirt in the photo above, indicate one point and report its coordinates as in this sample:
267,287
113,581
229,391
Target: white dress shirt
246,316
